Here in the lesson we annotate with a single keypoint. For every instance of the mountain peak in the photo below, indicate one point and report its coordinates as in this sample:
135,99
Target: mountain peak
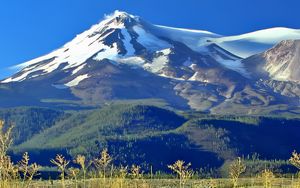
119,13
121,17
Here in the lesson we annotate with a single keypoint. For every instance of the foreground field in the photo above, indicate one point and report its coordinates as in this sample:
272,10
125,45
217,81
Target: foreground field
159,183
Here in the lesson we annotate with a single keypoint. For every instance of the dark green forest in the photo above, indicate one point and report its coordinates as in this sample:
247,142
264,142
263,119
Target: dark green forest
154,136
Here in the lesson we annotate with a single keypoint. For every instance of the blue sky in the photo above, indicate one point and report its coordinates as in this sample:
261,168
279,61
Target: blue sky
35,27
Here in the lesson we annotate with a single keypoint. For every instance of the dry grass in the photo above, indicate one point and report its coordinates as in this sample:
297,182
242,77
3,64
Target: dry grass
157,183
267,178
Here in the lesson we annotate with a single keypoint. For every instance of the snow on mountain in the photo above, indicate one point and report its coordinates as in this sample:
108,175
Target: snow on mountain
120,37
125,57
159,62
256,42
150,41
77,80
243,45
232,62
95,43
194,39
127,39
83,46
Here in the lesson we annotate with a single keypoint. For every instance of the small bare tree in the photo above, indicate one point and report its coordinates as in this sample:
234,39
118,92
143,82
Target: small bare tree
61,163
28,170
8,170
295,160
236,168
81,161
103,161
5,138
182,170
136,172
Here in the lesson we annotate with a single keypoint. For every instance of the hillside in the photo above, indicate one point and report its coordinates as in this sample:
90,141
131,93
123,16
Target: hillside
152,135
29,121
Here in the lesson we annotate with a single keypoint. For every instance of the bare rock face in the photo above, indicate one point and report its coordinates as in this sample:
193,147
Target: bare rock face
283,61
277,68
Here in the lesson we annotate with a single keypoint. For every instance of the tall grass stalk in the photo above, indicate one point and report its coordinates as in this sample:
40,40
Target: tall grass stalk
61,164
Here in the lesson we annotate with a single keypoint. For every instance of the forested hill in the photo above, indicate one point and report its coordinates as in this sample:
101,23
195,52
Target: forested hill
150,135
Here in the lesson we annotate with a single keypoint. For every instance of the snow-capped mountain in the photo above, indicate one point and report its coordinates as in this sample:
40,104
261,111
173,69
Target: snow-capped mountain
124,38
124,57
